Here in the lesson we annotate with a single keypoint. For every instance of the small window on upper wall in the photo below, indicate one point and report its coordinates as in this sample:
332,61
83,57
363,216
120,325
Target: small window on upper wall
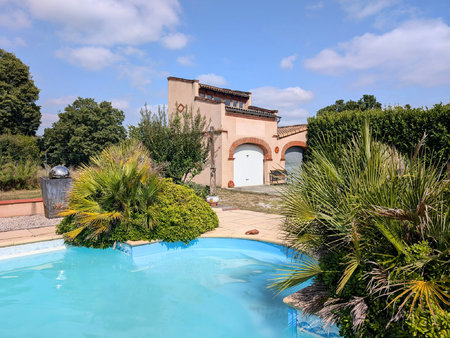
234,103
240,105
227,102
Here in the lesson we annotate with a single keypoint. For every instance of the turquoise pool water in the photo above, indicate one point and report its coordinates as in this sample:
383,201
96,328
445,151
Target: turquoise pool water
211,288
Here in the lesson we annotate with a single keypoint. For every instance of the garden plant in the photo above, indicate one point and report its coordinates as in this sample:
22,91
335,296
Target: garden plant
120,196
372,227
19,162
176,141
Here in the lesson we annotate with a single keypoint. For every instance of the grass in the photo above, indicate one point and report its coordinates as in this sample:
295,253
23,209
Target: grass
19,194
250,201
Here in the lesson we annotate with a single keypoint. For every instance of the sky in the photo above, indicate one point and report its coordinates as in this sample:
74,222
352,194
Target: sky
296,56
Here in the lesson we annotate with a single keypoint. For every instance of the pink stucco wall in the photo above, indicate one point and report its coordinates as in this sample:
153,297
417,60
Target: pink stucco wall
236,129
25,207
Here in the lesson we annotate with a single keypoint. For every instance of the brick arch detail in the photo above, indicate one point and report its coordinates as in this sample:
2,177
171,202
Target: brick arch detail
291,144
253,140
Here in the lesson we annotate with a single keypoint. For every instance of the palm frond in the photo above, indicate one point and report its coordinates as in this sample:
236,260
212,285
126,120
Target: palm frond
296,273
433,293
74,233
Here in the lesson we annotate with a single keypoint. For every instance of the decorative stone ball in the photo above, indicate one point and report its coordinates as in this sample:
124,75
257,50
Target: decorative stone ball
230,184
59,171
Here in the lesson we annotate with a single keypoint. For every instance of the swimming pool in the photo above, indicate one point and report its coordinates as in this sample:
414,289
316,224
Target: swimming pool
213,287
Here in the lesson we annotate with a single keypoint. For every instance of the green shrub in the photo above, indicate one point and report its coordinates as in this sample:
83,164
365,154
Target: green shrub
200,190
120,197
400,127
181,215
19,175
377,224
424,325
17,148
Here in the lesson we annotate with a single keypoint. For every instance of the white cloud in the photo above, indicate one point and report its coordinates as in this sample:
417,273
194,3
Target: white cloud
7,43
60,101
415,53
14,18
174,41
286,100
121,104
139,75
317,6
108,22
288,62
132,51
361,9
212,79
273,97
187,60
46,122
91,58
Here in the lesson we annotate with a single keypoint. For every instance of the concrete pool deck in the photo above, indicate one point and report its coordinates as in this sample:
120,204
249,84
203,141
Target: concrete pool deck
232,224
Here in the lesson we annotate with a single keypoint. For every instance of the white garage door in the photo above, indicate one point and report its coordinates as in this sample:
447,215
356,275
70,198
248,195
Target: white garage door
248,165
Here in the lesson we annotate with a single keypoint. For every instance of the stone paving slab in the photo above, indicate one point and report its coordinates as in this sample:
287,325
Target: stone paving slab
17,237
232,223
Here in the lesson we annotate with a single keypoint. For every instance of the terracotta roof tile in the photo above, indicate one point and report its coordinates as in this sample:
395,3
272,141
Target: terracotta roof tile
225,90
291,130
251,112
272,111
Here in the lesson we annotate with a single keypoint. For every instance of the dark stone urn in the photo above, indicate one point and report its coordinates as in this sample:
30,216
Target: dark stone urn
55,190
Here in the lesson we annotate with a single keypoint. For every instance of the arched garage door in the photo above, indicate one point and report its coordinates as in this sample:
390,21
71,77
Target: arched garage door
293,158
248,165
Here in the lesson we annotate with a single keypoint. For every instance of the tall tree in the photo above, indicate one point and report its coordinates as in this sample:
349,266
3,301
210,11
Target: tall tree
178,142
365,103
84,129
19,113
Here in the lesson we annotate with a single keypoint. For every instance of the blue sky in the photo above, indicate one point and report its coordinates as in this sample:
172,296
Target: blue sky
295,56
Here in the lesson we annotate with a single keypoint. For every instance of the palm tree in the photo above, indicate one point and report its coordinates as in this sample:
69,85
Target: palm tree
375,228
118,188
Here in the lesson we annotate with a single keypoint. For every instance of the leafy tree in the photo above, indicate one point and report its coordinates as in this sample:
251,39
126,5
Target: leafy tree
177,142
377,224
84,129
19,113
367,102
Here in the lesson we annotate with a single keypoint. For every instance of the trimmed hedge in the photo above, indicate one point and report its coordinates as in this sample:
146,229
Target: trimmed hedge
400,127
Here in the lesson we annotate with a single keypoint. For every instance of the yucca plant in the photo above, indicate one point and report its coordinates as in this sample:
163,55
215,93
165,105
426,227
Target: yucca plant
377,224
116,190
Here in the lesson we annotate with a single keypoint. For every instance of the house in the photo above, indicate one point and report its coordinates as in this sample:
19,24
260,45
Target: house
251,143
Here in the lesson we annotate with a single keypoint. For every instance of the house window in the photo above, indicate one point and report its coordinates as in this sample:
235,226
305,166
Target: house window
234,103
227,102
202,95
217,99
240,105
209,97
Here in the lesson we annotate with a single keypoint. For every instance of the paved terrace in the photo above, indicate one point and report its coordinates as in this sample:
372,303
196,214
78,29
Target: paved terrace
232,223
